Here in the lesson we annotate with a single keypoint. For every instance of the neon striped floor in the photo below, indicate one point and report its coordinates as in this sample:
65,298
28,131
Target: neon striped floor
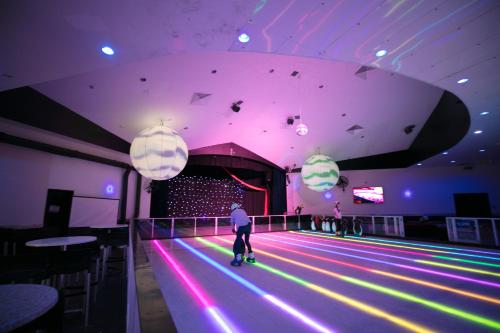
313,282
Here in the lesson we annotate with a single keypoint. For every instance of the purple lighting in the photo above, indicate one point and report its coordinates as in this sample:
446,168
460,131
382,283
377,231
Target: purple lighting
244,38
408,194
110,189
328,195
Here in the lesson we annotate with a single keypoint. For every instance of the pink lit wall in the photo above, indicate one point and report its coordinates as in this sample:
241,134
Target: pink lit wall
429,191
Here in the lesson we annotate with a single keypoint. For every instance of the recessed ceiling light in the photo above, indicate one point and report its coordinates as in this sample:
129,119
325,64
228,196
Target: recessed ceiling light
478,132
462,81
107,50
381,53
244,38
484,113
452,161
445,153
482,150
419,164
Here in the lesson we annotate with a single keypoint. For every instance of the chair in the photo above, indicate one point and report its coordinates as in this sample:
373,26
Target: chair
25,268
74,262
117,239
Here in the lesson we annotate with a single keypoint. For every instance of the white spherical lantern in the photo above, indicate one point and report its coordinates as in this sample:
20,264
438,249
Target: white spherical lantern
320,173
301,129
159,153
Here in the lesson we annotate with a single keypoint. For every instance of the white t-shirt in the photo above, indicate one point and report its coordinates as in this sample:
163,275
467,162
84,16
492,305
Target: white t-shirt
336,213
239,218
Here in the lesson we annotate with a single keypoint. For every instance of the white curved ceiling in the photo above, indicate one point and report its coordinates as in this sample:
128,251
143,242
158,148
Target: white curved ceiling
175,44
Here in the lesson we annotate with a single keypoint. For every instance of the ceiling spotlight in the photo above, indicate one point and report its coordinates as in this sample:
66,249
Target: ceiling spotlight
452,161
381,53
478,132
107,50
484,113
462,81
301,129
445,153
482,150
244,38
419,164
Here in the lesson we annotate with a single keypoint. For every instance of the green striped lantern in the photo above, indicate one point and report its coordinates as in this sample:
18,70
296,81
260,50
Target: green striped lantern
159,153
320,173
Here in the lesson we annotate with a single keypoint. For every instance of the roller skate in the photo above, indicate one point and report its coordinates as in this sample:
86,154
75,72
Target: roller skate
237,260
251,258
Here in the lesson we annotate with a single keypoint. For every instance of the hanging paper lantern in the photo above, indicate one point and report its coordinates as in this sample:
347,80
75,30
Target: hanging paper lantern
320,173
159,153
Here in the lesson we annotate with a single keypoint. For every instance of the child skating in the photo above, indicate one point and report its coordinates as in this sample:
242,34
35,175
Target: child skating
240,220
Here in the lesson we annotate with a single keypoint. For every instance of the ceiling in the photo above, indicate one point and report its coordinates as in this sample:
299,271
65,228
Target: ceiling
174,47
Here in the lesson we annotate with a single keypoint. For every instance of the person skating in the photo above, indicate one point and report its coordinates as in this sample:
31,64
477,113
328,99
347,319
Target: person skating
240,220
337,214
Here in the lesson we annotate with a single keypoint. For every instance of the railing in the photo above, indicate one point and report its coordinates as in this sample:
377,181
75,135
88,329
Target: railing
175,227
475,230
484,231
380,225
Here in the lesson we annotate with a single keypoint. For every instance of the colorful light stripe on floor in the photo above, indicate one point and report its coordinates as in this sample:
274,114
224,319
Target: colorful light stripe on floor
474,262
477,319
460,268
388,274
270,298
413,268
341,298
429,246
357,240
425,262
198,293
377,246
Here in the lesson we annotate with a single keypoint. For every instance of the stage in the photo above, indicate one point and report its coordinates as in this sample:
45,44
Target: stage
315,282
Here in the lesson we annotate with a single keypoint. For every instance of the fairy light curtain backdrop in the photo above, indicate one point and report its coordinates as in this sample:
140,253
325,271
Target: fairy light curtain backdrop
210,183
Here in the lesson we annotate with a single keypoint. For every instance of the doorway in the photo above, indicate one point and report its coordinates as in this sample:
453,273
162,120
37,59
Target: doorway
472,205
57,211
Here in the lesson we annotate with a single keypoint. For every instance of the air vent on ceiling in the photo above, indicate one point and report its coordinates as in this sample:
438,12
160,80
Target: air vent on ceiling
200,98
361,72
354,129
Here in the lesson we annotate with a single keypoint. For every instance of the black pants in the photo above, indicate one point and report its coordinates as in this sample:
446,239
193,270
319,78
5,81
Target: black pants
341,227
243,230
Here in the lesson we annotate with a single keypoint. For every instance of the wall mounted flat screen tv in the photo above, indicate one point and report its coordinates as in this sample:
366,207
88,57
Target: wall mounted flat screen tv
369,194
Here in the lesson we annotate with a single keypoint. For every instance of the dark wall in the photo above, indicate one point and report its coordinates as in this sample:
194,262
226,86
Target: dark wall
278,194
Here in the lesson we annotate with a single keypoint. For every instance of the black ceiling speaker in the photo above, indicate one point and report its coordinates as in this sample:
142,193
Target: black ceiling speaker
236,106
289,121
408,129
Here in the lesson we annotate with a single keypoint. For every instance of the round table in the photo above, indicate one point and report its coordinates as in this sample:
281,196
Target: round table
23,303
61,241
